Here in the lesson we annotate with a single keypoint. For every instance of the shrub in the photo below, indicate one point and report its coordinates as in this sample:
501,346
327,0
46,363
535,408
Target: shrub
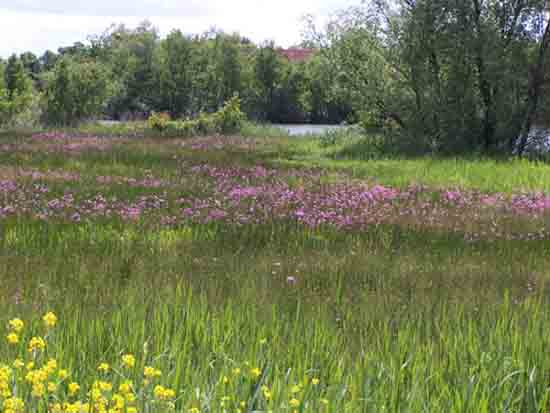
230,118
158,121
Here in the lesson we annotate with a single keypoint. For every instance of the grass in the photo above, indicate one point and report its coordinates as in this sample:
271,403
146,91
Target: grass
271,315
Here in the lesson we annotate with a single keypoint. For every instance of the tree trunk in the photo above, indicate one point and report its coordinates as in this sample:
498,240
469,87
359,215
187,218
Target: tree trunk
535,89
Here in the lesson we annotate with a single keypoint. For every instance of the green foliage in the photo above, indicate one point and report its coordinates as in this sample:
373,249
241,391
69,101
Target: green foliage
76,90
228,120
158,121
19,103
433,85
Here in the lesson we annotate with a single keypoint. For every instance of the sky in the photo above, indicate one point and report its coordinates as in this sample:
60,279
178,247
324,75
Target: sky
39,25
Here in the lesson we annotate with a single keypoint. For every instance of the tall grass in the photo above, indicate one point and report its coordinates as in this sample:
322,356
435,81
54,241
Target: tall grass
389,318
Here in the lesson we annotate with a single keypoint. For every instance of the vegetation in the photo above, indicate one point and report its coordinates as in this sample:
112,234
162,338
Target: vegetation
251,285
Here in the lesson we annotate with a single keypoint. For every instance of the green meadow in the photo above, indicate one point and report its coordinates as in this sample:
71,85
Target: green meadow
270,314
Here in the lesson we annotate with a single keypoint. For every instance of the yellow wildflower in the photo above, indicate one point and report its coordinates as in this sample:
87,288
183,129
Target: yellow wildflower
255,372
128,360
62,374
315,381
294,402
151,372
104,367
52,387
73,388
16,325
18,364
37,343
12,338
50,319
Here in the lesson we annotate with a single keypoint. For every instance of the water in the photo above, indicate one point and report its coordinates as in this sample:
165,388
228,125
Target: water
305,129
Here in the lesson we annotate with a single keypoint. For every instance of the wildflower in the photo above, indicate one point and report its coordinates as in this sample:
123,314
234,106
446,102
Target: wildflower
30,365
131,409
294,402
50,366
255,372
14,405
18,364
38,389
194,410
162,393
37,343
236,371
16,325
315,381
62,374
128,361
52,387
50,319
225,380
73,388
104,368
151,372
12,338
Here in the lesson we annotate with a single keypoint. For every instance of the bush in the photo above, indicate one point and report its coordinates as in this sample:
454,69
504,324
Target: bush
229,119
158,121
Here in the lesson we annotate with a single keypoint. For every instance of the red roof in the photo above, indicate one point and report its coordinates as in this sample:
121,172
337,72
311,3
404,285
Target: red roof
297,55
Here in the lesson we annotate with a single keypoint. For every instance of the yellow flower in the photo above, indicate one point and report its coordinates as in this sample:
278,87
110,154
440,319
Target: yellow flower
315,381
38,389
162,393
12,338
131,410
151,372
73,388
294,402
225,380
18,364
16,325
104,368
236,371
52,387
194,410
50,319
51,366
255,372
62,374
128,360
105,386
37,343
125,387
30,365
14,405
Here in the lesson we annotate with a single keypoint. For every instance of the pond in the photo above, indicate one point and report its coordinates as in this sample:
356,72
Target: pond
308,129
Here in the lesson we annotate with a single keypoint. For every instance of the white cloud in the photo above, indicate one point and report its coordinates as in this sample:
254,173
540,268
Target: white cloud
38,25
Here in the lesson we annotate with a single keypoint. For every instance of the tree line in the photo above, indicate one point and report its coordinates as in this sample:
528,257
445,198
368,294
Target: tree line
124,72
440,76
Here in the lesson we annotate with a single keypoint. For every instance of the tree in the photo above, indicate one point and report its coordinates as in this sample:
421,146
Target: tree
174,66
440,74
76,91
268,74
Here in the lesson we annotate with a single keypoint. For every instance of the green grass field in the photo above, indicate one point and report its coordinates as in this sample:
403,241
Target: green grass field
267,275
